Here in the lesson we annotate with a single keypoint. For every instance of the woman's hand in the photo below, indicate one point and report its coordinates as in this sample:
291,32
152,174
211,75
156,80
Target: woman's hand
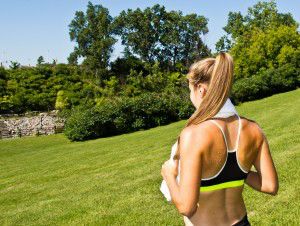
169,168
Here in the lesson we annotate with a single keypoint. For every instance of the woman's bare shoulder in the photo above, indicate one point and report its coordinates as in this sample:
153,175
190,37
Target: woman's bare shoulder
198,135
252,127
249,122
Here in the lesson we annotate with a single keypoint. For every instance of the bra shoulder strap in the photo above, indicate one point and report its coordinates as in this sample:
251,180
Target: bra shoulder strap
217,124
238,135
239,132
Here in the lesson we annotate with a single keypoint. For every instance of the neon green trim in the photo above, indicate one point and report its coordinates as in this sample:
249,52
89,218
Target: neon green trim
229,184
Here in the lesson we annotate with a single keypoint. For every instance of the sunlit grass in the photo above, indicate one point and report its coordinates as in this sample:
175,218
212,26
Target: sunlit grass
49,180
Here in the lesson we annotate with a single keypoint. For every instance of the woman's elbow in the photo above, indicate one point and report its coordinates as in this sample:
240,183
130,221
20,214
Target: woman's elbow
273,189
187,211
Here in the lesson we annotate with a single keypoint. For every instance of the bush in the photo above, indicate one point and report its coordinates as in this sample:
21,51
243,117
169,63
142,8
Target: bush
61,100
89,122
125,114
266,83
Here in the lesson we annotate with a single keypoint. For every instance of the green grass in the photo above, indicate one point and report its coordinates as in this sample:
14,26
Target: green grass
49,180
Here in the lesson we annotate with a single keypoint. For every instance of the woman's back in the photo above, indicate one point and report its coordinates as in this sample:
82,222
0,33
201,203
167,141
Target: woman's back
233,149
212,174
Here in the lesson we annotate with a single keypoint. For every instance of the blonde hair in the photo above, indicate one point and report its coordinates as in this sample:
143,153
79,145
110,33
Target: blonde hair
218,73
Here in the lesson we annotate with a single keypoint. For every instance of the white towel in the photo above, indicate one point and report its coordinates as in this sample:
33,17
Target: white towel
227,110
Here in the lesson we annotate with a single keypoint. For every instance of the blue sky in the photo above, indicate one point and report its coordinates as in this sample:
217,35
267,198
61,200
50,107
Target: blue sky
33,28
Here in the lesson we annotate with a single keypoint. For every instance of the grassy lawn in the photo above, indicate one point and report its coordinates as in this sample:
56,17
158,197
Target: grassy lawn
49,180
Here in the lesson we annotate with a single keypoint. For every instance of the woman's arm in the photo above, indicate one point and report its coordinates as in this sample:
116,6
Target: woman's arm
266,178
185,195
254,180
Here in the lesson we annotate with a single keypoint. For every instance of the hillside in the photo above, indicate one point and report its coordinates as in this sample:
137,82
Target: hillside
49,180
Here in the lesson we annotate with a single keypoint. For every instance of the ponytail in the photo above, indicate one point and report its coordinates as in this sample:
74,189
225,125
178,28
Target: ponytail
218,73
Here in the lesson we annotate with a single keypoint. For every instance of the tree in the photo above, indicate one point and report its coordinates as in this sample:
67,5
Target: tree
73,58
93,35
271,48
40,60
14,65
140,31
191,45
262,39
153,34
262,15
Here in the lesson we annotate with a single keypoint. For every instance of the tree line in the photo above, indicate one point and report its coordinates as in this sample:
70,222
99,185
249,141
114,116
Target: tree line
159,47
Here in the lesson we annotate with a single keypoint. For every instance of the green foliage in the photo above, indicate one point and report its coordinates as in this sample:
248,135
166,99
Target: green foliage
262,16
125,114
156,81
270,48
5,103
111,87
121,67
265,83
87,122
264,44
92,33
262,39
265,47
3,81
61,101
36,88
14,65
154,34
40,60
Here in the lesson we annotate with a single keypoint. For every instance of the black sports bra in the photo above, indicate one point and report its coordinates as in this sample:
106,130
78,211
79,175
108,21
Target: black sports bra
231,174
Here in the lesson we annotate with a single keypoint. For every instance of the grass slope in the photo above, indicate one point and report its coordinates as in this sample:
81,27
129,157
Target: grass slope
49,180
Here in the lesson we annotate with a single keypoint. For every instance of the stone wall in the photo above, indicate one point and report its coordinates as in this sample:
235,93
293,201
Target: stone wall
43,123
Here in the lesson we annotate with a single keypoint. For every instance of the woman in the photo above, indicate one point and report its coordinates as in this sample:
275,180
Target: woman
216,154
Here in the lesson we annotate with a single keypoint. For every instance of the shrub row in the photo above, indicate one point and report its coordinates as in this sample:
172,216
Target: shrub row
266,83
125,114
150,109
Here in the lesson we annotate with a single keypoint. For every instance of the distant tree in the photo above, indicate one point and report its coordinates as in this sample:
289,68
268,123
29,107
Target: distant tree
153,34
223,44
191,45
140,31
93,36
73,57
14,65
54,62
40,60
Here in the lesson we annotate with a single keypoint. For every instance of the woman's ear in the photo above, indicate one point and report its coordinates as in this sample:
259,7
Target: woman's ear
202,91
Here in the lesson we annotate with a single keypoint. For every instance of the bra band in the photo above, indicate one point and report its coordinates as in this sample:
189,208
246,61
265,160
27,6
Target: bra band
228,184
